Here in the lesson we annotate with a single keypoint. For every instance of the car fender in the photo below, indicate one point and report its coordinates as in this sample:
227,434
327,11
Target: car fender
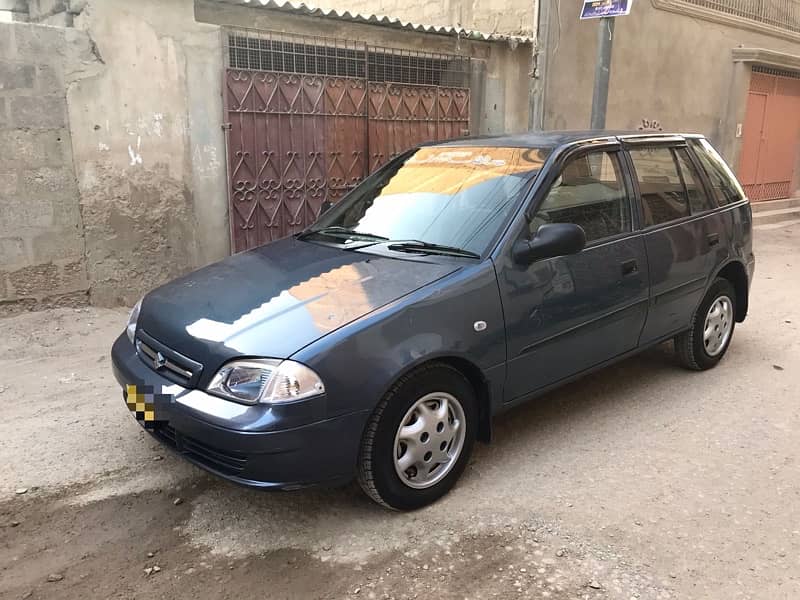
358,363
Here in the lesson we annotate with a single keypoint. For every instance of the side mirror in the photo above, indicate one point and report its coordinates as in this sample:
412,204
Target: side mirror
554,239
325,207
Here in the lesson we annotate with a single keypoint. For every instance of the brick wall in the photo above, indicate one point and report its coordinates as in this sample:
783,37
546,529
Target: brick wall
41,234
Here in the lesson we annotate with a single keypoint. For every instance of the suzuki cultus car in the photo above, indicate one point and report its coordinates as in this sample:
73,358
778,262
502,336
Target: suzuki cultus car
459,280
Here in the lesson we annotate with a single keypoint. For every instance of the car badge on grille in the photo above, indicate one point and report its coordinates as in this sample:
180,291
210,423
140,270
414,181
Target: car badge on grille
159,361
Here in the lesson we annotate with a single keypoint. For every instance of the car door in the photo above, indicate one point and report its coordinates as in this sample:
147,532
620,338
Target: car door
570,313
678,237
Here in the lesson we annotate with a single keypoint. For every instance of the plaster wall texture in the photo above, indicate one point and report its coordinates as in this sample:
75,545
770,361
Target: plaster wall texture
666,67
148,146
41,233
112,167
500,81
510,17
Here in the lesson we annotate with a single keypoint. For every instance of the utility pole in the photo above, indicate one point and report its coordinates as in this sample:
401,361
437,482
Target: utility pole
541,55
602,72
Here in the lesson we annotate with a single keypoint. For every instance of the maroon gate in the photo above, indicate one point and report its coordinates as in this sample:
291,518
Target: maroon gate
308,118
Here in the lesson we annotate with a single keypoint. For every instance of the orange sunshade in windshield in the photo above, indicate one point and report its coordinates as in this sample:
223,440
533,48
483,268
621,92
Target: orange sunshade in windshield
447,170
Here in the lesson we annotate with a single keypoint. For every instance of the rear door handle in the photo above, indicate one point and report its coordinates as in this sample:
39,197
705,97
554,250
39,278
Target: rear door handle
713,239
630,267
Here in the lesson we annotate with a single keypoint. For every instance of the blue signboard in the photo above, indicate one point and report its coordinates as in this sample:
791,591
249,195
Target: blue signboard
595,9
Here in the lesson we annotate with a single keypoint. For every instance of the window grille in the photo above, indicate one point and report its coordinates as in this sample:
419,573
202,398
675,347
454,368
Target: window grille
270,51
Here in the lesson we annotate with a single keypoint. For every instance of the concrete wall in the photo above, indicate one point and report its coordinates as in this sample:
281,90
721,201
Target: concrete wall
13,10
41,234
511,17
147,130
667,67
148,146
112,154
500,77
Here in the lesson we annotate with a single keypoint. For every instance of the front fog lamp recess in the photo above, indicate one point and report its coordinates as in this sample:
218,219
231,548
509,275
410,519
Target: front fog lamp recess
266,380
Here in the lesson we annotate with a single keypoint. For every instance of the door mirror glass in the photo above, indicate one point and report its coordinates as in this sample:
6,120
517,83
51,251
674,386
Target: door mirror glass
551,240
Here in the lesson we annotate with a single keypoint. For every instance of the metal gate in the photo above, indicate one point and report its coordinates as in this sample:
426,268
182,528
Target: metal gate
309,118
771,135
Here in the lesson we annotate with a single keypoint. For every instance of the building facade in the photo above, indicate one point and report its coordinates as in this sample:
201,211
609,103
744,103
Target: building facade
141,140
729,69
680,65
513,16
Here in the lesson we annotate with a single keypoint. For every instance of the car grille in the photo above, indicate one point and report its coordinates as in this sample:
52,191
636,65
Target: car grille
227,463
165,361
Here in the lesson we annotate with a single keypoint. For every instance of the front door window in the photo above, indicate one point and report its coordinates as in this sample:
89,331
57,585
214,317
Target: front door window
589,192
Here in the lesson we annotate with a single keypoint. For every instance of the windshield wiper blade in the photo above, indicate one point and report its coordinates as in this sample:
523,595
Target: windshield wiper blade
429,248
343,233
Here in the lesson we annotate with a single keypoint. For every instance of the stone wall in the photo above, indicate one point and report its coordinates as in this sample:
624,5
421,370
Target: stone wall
41,233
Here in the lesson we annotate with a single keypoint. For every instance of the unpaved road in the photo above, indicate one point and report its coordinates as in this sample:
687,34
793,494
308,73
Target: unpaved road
642,481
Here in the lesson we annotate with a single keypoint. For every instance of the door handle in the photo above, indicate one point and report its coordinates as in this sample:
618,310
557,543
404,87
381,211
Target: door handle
713,239
629,267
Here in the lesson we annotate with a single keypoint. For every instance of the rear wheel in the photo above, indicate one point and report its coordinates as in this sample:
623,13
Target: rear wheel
418,440
708,338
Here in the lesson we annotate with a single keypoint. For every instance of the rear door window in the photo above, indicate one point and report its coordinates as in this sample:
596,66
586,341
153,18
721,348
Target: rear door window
663,195
699,201
723,182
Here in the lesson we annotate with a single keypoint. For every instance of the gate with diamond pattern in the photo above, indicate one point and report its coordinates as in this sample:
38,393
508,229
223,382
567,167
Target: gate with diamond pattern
307,119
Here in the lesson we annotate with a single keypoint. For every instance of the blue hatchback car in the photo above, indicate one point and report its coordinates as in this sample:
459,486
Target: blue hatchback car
459,280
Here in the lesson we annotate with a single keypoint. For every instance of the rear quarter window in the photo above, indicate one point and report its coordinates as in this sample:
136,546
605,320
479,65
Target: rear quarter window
699,201
725,187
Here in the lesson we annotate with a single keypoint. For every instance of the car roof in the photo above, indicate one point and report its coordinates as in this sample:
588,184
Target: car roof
556,139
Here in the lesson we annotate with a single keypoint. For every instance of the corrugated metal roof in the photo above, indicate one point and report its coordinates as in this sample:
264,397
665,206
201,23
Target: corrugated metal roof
300,8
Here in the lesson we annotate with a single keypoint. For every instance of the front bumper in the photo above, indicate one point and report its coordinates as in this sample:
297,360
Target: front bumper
281,447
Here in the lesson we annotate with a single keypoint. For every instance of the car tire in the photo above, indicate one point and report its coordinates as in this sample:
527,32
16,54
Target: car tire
704,344
413,410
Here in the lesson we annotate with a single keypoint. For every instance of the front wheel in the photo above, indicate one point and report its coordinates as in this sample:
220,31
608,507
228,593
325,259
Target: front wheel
708,338
419,438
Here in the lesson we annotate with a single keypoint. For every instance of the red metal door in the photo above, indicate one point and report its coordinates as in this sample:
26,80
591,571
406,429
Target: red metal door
771,136
402,116
453,112
294,141
308,119
753,138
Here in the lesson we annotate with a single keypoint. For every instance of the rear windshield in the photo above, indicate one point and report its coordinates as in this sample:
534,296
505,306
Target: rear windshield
453,196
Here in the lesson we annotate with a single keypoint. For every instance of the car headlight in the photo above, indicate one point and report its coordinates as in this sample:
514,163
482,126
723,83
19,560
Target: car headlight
132,319
265,380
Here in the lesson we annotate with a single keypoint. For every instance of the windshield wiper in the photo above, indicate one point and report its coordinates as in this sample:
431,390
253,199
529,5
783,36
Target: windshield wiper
343,233
429,248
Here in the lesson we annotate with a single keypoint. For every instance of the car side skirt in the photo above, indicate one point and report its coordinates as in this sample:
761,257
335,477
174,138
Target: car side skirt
561,382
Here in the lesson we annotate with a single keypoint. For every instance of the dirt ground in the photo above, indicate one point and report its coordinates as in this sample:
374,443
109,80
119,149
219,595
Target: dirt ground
642,481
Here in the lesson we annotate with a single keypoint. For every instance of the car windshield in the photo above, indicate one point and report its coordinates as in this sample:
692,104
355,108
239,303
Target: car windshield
458,197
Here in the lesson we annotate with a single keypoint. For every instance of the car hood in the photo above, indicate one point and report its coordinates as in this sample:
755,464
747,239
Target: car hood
276,299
